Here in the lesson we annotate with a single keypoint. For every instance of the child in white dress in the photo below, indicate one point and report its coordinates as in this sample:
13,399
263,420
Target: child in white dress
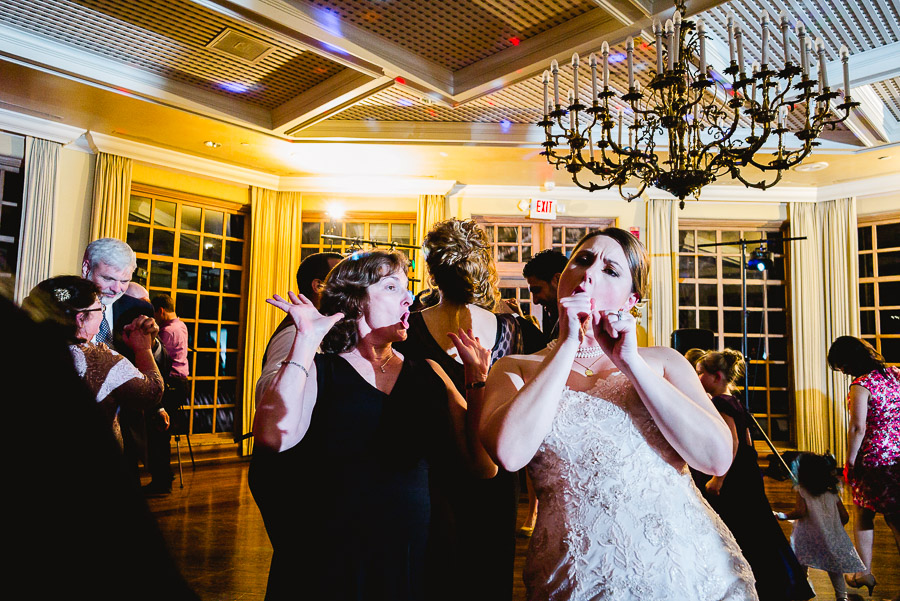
819,539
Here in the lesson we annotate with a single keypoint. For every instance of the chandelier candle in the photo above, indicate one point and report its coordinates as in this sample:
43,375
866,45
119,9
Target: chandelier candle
690,122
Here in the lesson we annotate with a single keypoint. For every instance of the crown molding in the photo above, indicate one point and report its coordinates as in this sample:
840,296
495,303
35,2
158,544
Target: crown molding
181,161
873,186
367,186
26,125
784,194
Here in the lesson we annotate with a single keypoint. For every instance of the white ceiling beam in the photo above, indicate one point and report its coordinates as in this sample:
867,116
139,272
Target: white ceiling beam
66,61
28,125
622,16
424,132
326,99
867,67
876,114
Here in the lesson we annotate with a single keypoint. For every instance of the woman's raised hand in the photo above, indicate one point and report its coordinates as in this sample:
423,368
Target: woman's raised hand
616,333
574,310
305,315
475,358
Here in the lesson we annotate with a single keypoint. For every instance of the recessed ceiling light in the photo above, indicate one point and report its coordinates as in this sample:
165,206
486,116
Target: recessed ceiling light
211,144
811,166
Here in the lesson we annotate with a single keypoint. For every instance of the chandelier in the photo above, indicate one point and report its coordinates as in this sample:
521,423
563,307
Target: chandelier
714,127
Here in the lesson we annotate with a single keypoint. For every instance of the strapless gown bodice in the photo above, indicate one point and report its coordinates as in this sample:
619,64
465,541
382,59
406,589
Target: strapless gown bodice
619,516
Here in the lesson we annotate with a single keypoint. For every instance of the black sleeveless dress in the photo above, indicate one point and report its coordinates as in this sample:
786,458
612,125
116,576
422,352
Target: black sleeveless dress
347,509
474,520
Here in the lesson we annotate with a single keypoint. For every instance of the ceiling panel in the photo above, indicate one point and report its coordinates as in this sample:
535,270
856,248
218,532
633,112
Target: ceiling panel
453,33
168,38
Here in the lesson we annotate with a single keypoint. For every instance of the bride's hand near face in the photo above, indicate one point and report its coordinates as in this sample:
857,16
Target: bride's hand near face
616,333
574,310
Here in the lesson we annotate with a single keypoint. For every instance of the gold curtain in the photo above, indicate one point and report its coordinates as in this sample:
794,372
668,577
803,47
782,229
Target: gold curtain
430,209
274,258
824,305
112,190
662,245
38,206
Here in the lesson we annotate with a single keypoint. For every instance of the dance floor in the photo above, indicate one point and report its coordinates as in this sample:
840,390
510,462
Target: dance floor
216,535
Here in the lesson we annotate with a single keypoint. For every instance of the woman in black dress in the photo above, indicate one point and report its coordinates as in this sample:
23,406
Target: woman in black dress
345,439
739,496
475,519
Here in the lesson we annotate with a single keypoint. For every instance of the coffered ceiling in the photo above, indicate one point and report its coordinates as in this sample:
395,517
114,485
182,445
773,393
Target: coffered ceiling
268,80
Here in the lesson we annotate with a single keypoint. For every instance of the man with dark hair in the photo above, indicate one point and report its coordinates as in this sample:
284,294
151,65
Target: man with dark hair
542,274
310,281
173,335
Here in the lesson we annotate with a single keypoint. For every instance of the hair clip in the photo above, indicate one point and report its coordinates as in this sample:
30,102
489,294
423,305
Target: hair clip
62,294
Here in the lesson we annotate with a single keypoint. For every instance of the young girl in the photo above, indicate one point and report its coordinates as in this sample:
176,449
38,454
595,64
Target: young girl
819,539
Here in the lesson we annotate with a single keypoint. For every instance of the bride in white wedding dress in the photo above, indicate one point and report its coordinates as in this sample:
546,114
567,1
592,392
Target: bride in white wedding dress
607,431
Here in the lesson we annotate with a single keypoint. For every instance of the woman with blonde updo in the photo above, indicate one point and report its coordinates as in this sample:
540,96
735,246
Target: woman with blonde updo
739,496
474,521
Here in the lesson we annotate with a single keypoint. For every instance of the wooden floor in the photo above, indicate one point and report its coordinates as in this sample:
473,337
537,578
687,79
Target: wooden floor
216,536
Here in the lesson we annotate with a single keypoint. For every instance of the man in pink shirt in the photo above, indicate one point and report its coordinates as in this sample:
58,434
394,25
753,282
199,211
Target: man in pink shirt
173,335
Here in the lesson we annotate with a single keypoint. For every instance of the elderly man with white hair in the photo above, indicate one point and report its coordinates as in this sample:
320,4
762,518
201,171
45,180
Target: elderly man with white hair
110,263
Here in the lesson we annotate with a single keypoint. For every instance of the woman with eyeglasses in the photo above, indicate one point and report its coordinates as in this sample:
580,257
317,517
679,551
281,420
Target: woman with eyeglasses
73,304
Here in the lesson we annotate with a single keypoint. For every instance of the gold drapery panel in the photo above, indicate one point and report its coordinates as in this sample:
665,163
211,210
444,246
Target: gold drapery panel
662,245
274,257
824,305
38,207
112,191
430,209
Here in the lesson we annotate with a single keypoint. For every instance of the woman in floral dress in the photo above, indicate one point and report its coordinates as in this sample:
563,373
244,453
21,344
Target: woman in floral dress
873,444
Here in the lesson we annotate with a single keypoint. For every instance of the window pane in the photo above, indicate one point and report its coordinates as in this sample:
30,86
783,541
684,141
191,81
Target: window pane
708,320
778,375
508,234
229,336
310,232
507,254
187,277
687,296
379,231
890,348
866,269
163,242
190,247
164,214
686,319
305,252
775,296
864,238
706,267
234,252
574,234
777,322
526,235
227,394
890,321
780,430
686,266
186,306
401,232
230,365
888,235
779,401
733,322
867,295
755,322
204,390
138,238
212,222
207,337
557,235
777,270
190,218
209,281
777,349
731,295
686,241
235,226
756,348
888,293
731,268
867,322
355,230
202,422
755,296
224,415
139,209
161,274
232,284
526,253
206,363
209,306
706,237
888,264
212,249
758,404
707,295
231,308
731,249
140,272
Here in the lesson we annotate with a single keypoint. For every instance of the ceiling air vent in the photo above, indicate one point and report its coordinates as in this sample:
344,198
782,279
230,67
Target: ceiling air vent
239,46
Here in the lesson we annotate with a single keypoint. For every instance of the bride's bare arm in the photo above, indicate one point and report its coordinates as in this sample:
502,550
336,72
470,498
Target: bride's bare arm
681,409
518,414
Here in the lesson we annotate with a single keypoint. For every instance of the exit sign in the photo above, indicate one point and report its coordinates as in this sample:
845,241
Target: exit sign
543,209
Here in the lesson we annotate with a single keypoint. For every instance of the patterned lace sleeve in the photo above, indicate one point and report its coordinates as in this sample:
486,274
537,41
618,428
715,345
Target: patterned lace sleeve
110,374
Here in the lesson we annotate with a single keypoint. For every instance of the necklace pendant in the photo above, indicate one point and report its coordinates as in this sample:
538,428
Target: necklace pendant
588,372
382,369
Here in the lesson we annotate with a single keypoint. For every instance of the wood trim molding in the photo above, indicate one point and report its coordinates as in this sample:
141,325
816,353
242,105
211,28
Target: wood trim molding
158,192
725,224
319,215
878,218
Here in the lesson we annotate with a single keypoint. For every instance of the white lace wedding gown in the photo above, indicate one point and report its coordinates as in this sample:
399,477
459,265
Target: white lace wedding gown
619,517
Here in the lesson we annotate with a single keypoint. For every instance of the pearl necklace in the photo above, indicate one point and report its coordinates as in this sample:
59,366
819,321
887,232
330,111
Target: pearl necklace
584,352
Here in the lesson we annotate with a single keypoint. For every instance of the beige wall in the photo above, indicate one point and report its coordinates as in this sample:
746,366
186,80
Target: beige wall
878,204
12,145
162,177
72,218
